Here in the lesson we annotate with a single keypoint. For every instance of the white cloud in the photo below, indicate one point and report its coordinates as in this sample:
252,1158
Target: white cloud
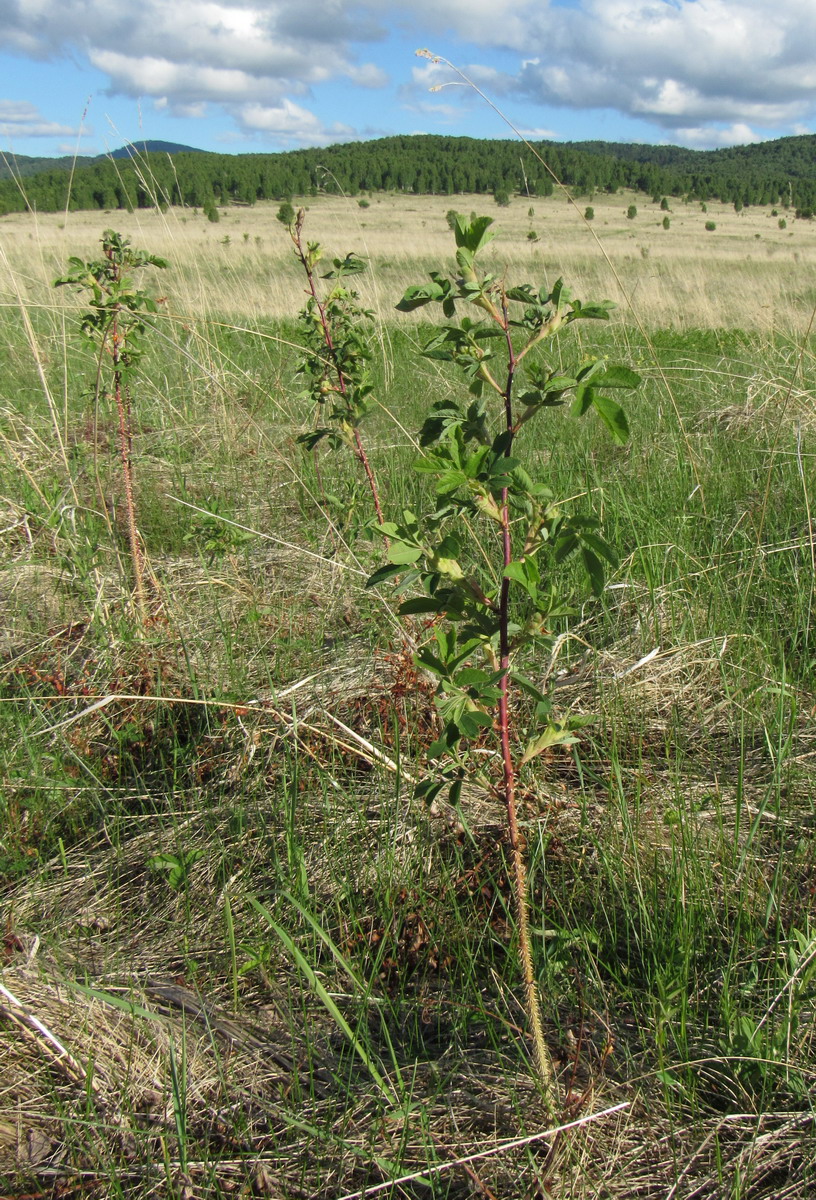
680,64
703,137
368,76
192,110
445,112
685,65
19,119
439,76
190,53
290,122
479,22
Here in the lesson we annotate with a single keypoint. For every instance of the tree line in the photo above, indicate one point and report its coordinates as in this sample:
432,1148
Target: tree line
781,172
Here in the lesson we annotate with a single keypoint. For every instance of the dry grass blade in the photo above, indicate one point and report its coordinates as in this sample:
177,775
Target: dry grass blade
491,1152
34,1028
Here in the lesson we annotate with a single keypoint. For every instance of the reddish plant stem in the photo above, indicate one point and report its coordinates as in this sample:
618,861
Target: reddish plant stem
358,448
543,1060
126,455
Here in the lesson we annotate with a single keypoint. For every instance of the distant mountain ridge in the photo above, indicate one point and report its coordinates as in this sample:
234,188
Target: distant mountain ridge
779,172
795,154
133,149
24,166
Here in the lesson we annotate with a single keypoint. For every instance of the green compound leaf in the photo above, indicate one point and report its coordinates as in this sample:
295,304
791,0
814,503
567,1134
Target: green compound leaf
473,235
420,604
617,376
613,417
382,574
403,553
584,396
594,569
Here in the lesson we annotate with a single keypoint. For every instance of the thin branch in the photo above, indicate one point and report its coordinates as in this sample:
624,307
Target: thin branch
502,1148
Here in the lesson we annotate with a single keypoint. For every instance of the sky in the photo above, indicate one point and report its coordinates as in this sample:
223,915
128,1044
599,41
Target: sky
236,76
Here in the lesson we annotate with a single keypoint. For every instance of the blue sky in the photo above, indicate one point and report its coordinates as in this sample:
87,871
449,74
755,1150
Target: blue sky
260,75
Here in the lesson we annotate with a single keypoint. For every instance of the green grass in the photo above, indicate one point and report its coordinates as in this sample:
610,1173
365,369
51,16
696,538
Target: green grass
319,908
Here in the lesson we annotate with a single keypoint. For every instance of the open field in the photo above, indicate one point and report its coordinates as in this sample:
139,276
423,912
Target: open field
239,957
747,274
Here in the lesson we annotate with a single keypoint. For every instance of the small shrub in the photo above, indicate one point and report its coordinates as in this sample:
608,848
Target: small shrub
589,214
631,212
213,214
286,214
214,531
489,621
664,204
704,207
118,316
666,223
782,223
710,226
364,203
336,354
532,236
502,198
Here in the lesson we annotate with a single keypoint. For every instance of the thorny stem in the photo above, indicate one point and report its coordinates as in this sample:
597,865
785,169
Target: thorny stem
126,454
359,450
543,1060
296,232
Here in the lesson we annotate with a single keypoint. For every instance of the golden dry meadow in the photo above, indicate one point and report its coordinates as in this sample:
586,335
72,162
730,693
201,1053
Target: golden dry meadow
747,272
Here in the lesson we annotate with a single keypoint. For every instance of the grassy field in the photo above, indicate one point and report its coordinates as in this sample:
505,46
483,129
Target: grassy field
239,958
748,273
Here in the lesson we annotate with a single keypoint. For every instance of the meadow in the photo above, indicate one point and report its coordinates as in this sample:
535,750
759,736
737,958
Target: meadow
240,956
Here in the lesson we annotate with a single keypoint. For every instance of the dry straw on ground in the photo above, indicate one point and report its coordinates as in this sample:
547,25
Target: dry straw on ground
100,1030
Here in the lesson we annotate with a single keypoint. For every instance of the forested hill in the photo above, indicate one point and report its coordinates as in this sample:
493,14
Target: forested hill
21,166
136,149
794,156
782,171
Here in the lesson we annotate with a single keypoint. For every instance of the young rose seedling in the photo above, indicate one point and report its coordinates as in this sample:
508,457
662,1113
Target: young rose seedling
484,628
336,356
115,322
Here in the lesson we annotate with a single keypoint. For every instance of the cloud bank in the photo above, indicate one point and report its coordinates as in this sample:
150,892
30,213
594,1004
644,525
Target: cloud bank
19,119
254,60
697,70
702,71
